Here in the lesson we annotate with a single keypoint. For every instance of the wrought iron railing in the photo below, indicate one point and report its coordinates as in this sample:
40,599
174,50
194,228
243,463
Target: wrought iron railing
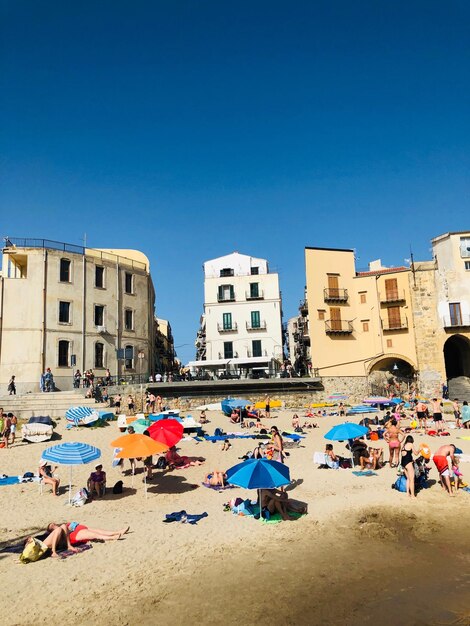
260,326
338,326
395,295
456,321
223,328
335,294
258,295
398,324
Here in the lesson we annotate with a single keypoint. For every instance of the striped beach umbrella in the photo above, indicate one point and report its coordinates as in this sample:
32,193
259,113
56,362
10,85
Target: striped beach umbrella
81,415
71,453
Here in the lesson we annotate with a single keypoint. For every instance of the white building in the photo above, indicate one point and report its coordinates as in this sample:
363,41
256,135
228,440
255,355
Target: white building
67,307
241,328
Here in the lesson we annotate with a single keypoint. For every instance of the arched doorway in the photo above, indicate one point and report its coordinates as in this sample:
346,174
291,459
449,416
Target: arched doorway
390,374
457,356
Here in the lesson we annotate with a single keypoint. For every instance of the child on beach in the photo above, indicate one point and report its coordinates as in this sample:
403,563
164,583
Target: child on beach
458,482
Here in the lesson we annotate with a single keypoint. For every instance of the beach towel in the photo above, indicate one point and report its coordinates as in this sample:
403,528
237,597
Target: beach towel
467,489
9,480
184,518
365,473
218,487
275,518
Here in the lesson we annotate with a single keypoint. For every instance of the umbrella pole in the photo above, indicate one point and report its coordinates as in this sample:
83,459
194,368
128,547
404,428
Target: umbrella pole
260,511
70,486
145,485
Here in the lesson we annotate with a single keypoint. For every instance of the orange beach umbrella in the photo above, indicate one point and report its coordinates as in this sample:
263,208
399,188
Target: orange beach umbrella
135,446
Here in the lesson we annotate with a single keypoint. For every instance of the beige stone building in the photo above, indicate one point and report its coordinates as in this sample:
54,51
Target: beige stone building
359,322
67,307
165,356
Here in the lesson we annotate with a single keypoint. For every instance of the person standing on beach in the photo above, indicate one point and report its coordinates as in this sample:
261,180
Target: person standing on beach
456,407
393,436
465,414
267,407
444,461
437,414
117,403
13,422
130,404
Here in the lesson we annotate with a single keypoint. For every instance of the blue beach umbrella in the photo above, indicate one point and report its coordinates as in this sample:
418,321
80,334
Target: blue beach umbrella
344,431
71,453
259,474
81,415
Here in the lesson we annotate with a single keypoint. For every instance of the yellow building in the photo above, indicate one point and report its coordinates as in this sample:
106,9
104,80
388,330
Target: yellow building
67,307
359,322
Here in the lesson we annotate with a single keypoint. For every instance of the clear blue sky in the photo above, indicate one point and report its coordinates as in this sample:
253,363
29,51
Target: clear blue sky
190,129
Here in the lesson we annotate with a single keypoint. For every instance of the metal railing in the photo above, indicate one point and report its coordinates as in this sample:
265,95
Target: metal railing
338,326
401,324
303,308
250,353
396,295
255,296
225,298
234,355
227,329
261,326
335,294
456,321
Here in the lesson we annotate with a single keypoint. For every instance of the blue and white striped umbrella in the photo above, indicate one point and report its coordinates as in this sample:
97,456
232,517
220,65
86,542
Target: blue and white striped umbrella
71,453
79,415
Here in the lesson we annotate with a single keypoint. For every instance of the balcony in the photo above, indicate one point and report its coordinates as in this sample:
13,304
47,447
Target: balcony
225,297
306,338
227,329
224,356
261,326
394,325
250,353
393,297
303,308
255,295
335,295
456,321
338,327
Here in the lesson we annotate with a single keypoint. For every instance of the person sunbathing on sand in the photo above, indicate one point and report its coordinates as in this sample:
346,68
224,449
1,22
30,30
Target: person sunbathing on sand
175,460
78,533
276,501
58,536
215,479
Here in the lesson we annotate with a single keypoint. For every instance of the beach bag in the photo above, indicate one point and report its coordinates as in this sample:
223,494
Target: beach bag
80,497
117,489
374,436
34,550
400,484
161,463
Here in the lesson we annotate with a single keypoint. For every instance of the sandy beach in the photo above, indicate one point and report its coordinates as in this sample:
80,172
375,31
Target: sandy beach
364,553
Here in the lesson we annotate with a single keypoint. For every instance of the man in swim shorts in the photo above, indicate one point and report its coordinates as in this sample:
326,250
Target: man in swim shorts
444,461
437,414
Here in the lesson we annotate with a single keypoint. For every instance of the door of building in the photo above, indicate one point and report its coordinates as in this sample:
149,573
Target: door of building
335,317
333,287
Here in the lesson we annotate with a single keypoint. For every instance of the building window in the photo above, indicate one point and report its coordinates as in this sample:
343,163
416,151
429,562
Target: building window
255,319
321,315
64,312
228,349
99,315
129,319
389,343
64,272
363,298
254,271
365,327
254,290
226,293
129,357
455,314
467,265
465,247
256,347
129,283
227,321
226,271
394,317
99,354
99,277
64,349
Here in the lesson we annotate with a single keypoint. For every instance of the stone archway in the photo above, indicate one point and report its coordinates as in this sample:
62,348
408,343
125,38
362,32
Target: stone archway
457,356
394,364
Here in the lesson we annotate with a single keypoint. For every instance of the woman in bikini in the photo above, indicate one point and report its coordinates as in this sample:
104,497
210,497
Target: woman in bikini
408,465
393,436
215,479
78,533
277,444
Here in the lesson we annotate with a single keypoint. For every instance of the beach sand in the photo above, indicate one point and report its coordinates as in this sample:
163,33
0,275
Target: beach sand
365,554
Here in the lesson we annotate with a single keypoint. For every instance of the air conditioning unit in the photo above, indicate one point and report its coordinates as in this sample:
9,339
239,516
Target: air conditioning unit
101,329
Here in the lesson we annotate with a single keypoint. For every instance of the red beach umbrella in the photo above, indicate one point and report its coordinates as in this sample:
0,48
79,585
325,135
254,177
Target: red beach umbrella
167,431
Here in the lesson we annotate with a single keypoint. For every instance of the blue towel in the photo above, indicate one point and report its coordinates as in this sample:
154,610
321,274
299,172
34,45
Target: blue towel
214,438
9,480
365,473
182,516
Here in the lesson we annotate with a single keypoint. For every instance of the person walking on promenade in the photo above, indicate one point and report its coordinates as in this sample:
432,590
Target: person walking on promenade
12,386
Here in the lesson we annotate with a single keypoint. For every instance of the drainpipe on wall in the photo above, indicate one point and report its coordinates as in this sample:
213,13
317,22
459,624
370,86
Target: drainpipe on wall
84,315
44,310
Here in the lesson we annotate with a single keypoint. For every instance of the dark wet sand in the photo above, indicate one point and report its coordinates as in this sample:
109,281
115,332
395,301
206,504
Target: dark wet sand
379,568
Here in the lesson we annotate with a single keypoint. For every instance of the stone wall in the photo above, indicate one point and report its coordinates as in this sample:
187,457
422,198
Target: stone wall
356,387
431,367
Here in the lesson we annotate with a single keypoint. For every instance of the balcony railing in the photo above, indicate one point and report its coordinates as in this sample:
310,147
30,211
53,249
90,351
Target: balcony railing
389,297
303,308
391,325
340,327
225,297
335,295
306,338
223,356
255,296
227,329
456,321
263,353
260,326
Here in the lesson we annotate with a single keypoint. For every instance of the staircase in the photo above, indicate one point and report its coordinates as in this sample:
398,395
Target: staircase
53,404
459,388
